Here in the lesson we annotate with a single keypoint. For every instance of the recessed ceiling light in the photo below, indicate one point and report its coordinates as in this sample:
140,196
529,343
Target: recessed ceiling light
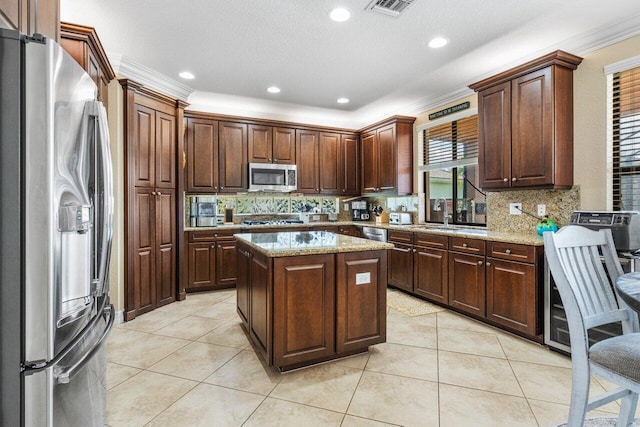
273,89
343,100
438,42
187,75
339,14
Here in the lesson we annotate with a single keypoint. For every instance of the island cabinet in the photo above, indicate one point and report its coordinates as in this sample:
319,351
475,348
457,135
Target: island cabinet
525,125
387,156
300,309
216,157
467,288
269,144
211,257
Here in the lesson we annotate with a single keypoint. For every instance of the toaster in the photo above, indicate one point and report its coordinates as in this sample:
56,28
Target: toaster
399,218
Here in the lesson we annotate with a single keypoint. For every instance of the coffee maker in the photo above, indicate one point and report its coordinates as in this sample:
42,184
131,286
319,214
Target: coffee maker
360,211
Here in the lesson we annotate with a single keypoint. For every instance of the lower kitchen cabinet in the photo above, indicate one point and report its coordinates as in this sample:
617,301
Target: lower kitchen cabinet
211,260
430,274
467,283
401,266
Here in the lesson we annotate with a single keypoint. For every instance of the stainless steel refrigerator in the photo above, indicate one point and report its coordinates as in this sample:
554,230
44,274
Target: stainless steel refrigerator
56,209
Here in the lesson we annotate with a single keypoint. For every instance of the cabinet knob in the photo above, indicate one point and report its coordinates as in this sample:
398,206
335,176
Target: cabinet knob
219,246
153,193
505,180
275,160
507,251
415,250
343,190
213,246
464,245
159,193
479,262
488,264
514,179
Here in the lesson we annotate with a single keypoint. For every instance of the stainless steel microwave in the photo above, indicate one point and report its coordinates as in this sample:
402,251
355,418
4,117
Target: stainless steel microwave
272,177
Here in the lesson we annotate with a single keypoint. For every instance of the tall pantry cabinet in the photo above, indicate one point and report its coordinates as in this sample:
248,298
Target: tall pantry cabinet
153,140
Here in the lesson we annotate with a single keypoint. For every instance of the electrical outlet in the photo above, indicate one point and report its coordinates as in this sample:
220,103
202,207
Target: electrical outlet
542,210
345,206
515,208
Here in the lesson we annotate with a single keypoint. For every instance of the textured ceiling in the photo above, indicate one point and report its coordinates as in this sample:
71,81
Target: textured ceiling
237,48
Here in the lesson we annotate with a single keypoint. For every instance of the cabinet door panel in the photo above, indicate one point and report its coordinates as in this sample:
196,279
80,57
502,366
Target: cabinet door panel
226,262
243,266
144,263
532,129
202,155
401,266
361,307
144,167
233,157
260,144
467,283
9,13
259,305
369,162
511,298
329,163
201,265
165,150
387,161
304,308
308,163
284,146
349,166
494,136
431,274
166,246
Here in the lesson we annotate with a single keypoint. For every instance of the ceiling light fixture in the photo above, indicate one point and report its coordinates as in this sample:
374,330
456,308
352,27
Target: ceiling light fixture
273,89
343,100
437,42
187,75
339,14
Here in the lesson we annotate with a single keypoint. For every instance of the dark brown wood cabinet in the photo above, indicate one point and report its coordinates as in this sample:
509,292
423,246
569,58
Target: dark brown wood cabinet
243,283
430,267
307,143
349,164
400,264
216,156
83,44
32,16
211,260
525,125
387,156
467,287
151,209
329,169
269,144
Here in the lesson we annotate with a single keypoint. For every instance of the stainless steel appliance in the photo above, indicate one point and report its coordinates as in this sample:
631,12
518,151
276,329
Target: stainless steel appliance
204,211
373,233
360,210
56,225
625,228
272,177
399,218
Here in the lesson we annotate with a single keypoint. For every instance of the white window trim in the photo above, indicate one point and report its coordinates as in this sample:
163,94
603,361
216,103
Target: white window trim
609,70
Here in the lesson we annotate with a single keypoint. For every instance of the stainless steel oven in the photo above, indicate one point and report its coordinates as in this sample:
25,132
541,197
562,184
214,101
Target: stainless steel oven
624,226
204,211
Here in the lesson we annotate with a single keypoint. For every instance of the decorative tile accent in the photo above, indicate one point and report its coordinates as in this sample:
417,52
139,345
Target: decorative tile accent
282,204
226,202
263,205
244,203
305,204
329,205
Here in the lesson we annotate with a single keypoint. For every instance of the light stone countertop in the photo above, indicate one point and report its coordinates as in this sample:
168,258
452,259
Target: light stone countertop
296,243
481,233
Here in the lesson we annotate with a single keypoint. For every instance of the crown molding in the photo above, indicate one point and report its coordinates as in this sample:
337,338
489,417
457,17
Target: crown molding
426,104
126,67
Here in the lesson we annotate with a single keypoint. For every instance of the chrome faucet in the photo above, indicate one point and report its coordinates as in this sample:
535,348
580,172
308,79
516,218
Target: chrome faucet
437,206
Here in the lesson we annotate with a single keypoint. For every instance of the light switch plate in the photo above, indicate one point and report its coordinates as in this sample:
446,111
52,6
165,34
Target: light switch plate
542,210
515,208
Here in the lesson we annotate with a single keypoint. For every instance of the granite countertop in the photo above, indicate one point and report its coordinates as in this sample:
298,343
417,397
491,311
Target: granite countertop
294,243
457,231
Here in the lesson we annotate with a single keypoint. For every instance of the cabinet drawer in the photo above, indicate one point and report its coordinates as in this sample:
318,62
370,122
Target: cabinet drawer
210,235
431,240
464,244
511,251
400,236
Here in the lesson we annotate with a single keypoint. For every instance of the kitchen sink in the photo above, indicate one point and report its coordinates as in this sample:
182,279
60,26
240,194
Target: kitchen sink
455,229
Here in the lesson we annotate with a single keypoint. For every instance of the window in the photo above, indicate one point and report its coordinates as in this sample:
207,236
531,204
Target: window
450,162
625,139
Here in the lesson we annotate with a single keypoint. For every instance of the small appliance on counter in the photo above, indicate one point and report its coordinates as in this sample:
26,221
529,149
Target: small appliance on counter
360,210
204,211
399,218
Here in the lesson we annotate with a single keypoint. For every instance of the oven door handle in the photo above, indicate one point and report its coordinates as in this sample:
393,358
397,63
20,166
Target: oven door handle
64,376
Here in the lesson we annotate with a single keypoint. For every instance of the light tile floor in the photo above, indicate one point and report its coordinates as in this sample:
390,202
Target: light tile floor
191,364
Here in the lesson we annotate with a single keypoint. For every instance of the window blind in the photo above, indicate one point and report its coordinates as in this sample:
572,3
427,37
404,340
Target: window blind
451,144
626,139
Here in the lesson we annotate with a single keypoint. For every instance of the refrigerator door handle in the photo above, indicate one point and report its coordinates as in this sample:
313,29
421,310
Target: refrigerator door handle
64,376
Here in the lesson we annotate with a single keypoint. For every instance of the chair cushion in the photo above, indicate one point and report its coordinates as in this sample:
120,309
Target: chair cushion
619,354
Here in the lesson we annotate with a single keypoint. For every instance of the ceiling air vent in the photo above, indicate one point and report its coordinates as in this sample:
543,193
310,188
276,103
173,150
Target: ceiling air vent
389,7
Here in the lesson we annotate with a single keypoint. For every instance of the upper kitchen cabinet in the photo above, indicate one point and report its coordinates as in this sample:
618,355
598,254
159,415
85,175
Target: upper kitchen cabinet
83,44
269,144
526,125
307,143
32,16
216,155
387,156
349,164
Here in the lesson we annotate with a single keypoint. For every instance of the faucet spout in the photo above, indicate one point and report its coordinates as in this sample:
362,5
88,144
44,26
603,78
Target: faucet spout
445,213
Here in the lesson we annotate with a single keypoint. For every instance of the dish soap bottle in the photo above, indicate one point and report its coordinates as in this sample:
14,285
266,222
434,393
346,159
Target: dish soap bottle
547,224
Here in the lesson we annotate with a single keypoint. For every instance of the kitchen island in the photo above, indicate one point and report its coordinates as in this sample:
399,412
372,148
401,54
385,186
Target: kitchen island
309,297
